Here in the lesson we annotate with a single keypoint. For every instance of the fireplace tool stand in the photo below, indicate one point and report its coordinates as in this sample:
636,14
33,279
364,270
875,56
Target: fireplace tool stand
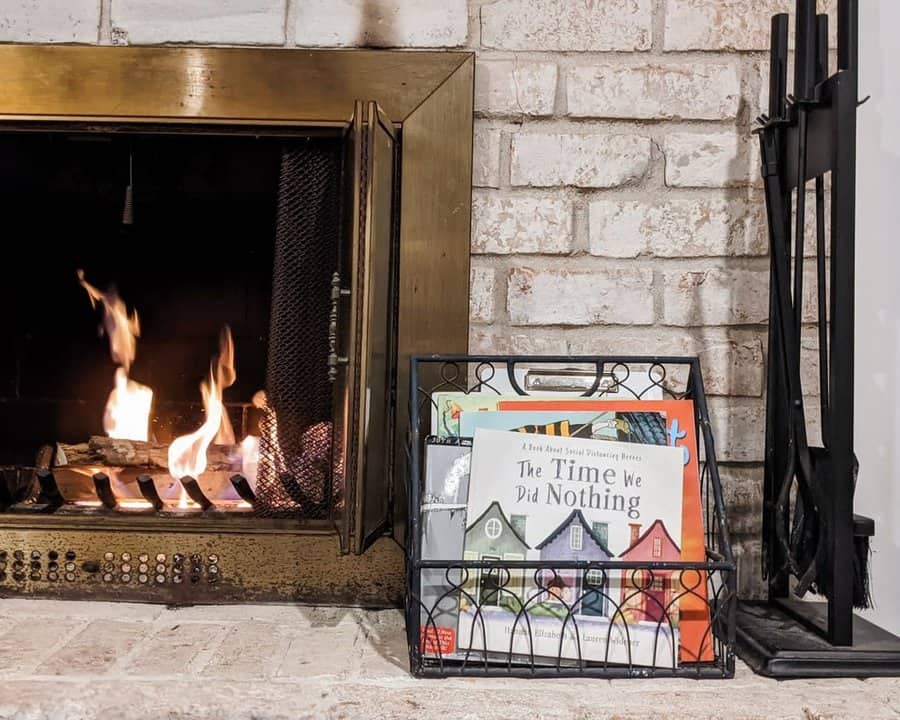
812,541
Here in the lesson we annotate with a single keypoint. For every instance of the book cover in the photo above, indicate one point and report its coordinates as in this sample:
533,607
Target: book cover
647,428
537,497
443,521
696,637
448,406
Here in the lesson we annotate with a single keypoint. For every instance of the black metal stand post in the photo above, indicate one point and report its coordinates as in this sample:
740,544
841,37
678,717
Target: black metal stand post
812,541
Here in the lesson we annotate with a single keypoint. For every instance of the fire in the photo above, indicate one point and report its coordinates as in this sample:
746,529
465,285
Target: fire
128,409
127,413
187,454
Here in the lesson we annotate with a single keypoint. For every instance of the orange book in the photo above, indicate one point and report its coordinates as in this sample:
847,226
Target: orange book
696,635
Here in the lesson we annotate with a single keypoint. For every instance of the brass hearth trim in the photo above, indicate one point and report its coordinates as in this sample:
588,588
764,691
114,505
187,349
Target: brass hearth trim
214,85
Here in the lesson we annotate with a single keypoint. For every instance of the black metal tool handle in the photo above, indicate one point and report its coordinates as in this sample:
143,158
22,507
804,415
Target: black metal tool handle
821,271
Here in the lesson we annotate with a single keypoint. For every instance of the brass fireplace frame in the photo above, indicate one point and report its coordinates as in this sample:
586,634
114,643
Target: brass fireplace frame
427,99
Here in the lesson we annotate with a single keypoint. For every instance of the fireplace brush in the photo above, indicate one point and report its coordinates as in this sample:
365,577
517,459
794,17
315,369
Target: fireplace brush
807,516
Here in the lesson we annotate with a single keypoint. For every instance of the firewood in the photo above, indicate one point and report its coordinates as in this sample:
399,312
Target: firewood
111,452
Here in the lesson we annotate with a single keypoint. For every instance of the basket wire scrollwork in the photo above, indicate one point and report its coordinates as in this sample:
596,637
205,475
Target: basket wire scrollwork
520,584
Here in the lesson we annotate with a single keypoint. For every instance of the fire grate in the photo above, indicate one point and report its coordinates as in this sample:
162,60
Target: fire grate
280,306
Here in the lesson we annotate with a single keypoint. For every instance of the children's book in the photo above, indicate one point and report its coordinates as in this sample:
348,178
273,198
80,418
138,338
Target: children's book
448,406
696,637
443,523
647,428
558,499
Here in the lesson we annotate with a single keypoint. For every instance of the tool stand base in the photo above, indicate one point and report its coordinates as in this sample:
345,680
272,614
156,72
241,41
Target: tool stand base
775,643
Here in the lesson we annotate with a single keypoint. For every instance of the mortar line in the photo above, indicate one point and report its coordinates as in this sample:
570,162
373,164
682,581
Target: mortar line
104,26
290,23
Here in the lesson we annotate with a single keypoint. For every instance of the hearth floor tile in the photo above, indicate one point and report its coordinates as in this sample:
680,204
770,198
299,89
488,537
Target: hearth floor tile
175,649
98,661
31,640
95,649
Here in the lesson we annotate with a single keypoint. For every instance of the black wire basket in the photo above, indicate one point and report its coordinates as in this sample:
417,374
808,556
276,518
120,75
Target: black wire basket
711,583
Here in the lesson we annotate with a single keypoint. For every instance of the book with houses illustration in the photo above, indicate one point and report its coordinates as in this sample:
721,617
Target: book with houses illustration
679,431
556,498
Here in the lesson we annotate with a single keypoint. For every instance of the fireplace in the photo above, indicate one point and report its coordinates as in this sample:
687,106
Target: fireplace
219,263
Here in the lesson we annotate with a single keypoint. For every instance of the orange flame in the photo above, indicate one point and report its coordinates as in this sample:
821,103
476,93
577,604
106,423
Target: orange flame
127,413
226,377
187,454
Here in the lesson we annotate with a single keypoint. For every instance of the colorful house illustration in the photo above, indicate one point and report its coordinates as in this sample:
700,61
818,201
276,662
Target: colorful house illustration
576,539
646,595
492,536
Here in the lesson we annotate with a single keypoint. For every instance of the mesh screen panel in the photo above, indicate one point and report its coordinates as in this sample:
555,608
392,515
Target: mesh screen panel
295,464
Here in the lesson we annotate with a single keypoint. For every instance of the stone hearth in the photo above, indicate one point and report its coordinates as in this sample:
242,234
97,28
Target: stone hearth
105,660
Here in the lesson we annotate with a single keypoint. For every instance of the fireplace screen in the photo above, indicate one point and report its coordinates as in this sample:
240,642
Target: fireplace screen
197,328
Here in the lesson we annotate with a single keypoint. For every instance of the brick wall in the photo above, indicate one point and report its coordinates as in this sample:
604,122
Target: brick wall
617,206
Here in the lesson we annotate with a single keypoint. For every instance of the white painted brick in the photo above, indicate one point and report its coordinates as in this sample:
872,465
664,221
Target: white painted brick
567,25
589,160
715,296
510,87
748,555
381,23
481,294
809,232
679,90
718,159
37,21
503,224
486,156
624,340
726,24
742,491
809,362
619,228
739,427
810,300
763,100
731,363
246,22
493,340
713,226
561,297
731,360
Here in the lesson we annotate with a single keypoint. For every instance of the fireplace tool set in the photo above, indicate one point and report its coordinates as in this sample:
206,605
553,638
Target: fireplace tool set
812,540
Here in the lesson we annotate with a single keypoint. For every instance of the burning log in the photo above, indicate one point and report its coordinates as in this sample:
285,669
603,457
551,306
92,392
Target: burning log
111,452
